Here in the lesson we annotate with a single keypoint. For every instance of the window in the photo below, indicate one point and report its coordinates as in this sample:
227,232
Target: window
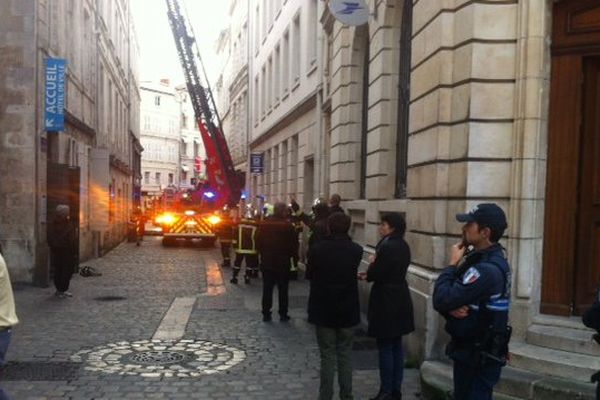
256,101
184,121
183,147
157,178
296,51
170,179
264,19
257,29
263,92
146,177
285,63
364,113
270,83
312,34
403,100
184,176
277,74
157,100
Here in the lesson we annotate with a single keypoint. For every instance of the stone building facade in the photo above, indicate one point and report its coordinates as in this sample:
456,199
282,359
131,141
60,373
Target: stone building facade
429,109
88,165
285,102
161,137
438,106
231,88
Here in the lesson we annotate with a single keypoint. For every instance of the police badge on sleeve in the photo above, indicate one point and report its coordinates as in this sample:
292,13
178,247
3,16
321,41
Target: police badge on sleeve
471,276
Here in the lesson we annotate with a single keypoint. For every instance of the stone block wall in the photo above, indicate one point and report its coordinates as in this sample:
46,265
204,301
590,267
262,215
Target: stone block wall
18,145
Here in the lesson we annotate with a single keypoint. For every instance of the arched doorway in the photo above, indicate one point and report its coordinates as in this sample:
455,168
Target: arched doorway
571,269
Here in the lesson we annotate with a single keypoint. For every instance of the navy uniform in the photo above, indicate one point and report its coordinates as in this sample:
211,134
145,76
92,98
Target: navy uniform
245,248
479,342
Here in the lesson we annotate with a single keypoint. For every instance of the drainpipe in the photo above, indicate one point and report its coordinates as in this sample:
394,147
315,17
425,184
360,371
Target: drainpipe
249,93
319,182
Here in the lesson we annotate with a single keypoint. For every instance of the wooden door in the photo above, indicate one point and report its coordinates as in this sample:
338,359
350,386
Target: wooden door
587,276
571,261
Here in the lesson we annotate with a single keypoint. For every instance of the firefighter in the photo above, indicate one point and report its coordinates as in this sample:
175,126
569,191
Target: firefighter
225,233
245,248
298,228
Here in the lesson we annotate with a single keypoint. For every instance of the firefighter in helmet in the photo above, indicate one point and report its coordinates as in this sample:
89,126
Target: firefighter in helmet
245,248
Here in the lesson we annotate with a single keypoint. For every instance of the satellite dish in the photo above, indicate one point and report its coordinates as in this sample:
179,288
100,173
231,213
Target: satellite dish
350,12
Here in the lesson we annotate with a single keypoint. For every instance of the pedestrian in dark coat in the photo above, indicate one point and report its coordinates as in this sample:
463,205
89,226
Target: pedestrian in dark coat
390,311
334,203
276,244
63,243
333,304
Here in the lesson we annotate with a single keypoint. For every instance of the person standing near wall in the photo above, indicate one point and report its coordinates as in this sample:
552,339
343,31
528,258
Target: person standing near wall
390,311
473,295
333,304
8,316
62,242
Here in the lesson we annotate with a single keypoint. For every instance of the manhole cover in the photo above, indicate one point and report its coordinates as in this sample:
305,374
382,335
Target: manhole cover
158,357
110,298
40,371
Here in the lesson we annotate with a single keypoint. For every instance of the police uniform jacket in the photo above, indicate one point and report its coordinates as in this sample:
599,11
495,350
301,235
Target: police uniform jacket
333,300
483,284
390,311
277,243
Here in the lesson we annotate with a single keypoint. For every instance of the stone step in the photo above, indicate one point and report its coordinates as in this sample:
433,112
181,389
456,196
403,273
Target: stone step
563,338
515,384
553,362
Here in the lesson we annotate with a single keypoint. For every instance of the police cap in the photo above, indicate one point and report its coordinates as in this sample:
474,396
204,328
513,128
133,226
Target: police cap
487,215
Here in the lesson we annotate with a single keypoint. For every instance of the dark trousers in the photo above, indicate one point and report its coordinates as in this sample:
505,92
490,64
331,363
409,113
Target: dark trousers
5,336
270,280
475,383
251,264
391,364
335,348
226,253
62,264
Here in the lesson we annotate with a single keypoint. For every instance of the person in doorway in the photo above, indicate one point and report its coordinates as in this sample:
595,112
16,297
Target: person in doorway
8,316
62,242
333,304
390,312
473,295
276,244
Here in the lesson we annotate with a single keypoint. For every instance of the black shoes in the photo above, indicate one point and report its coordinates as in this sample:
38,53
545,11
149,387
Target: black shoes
267,318
247,280
388,396
234,280
284,318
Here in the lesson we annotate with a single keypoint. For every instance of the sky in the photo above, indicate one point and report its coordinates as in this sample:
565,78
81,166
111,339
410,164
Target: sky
158,55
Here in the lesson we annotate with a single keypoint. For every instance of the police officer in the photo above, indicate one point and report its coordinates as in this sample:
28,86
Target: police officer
473,295
245,248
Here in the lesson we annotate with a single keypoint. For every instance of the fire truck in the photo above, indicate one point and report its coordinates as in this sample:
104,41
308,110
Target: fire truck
192,214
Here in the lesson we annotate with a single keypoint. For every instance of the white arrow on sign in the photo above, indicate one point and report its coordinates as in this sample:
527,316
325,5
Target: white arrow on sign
49,123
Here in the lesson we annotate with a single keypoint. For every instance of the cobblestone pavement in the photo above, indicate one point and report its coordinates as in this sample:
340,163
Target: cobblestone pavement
98,344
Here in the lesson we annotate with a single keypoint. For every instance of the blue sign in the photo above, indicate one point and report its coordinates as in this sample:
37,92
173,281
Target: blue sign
257,163
54,102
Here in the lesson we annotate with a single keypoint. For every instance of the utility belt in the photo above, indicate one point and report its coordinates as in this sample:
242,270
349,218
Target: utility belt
5,328
493,349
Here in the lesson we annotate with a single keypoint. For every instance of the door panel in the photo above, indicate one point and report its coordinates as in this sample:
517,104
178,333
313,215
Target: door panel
587,276
561,186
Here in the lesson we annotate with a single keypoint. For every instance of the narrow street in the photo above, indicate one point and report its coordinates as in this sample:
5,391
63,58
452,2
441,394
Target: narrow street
124,335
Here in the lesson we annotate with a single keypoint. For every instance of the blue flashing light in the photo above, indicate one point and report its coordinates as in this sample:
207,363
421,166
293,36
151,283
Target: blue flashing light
244,196
209,195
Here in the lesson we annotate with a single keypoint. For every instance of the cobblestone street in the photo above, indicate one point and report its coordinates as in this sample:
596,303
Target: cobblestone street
123,335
